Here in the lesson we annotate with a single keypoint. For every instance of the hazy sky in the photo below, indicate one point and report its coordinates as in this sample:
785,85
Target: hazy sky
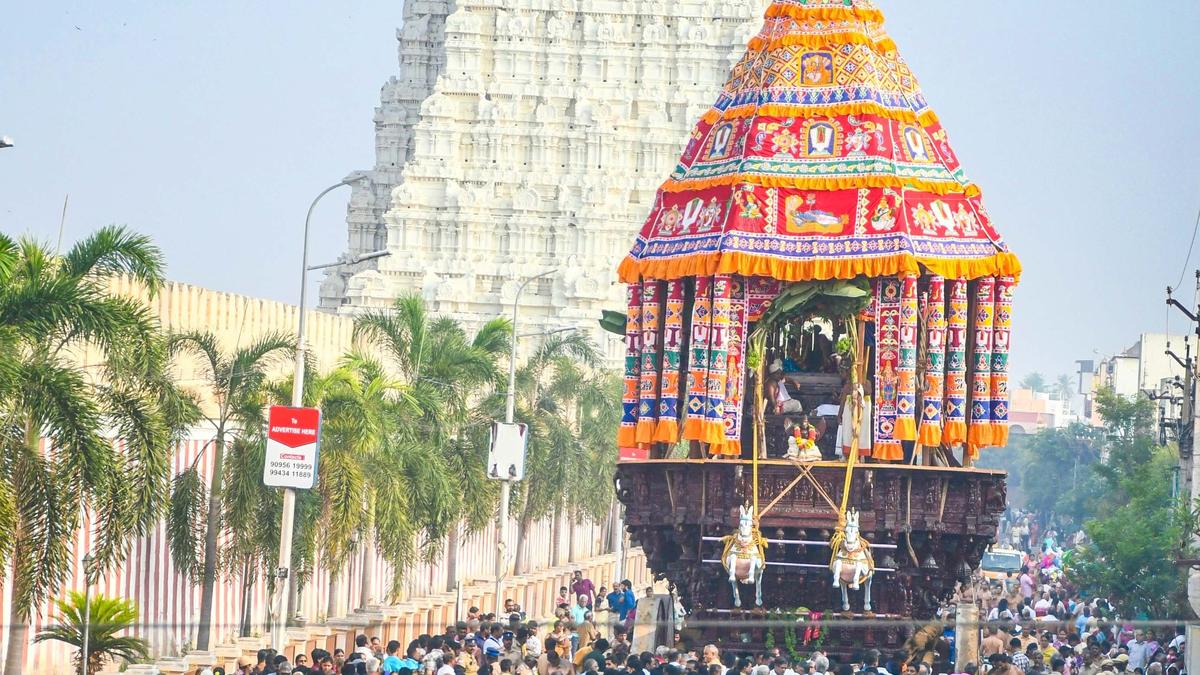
211,125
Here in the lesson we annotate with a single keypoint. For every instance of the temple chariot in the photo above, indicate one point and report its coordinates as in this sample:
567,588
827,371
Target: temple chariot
819,311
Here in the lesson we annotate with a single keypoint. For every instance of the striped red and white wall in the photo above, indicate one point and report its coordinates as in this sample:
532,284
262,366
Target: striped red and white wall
170,604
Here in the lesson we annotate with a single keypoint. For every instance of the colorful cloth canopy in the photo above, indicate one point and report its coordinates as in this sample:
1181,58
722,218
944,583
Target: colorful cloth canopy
820,159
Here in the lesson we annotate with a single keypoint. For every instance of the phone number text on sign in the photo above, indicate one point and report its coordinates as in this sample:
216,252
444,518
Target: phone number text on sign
293,448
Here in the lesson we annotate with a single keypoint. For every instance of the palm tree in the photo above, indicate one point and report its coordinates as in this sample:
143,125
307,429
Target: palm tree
1035,382
234,381
1064,388
52,308
557,391
106,617
446,373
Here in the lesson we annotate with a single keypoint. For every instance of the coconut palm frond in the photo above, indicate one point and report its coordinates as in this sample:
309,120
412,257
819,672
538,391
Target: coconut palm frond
57,400
186,520
116,250
48,510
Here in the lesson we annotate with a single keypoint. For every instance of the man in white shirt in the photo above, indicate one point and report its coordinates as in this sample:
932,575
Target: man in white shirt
533,643
1178,641
1138,651
781,667
1042,606
361,646
493,645
579,610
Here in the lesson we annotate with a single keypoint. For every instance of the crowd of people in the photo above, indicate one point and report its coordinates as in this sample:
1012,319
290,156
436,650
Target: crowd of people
1038,623
489,644
1035,623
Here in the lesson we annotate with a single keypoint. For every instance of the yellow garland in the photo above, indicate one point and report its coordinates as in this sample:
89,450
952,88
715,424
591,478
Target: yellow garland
750,265
756,540
821,183
926,118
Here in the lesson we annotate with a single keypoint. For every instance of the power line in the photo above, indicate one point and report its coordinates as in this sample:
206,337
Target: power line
1188,259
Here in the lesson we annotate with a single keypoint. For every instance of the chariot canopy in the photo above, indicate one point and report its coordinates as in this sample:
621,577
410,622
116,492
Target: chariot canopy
820,161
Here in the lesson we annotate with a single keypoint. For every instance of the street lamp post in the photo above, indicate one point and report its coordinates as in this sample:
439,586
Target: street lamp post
510,404
87,610
289,495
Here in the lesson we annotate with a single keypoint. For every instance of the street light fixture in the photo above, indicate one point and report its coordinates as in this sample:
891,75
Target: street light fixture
510,402
362,257
278,638
6,142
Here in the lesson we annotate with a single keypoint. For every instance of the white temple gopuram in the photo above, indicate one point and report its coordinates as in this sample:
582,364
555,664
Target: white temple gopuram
522,136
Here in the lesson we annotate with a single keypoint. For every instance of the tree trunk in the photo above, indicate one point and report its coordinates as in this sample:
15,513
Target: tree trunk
293,604
247,588
522,549
572,554
452,558
18,635
614,528
368,569
18,621
556,537
366,593
331,609
204,631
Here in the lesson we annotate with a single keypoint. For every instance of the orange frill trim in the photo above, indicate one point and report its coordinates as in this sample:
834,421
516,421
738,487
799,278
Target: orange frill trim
735,262
972,452
825,13
926,118
645,430
999,435
820,183
906,429
881,46
727,448
705,431
667,431
930,435
889,451
979,435
954,433
627,437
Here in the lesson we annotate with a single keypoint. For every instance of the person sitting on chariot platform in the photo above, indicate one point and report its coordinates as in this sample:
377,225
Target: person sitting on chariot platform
777,392
819,357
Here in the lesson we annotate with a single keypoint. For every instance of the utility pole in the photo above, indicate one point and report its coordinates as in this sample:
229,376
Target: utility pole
1187,430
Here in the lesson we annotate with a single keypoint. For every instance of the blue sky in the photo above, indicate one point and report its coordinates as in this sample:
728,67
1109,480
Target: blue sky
211,125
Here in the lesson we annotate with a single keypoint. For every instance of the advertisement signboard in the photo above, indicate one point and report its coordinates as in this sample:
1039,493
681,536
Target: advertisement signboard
293,445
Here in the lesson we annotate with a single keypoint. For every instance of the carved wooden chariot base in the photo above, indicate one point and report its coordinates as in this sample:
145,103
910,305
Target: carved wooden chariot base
928,528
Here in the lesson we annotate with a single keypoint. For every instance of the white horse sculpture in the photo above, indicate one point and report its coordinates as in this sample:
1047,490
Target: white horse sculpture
851,563
745,557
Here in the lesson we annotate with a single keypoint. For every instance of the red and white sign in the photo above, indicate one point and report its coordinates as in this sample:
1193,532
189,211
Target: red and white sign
293,445
633,454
